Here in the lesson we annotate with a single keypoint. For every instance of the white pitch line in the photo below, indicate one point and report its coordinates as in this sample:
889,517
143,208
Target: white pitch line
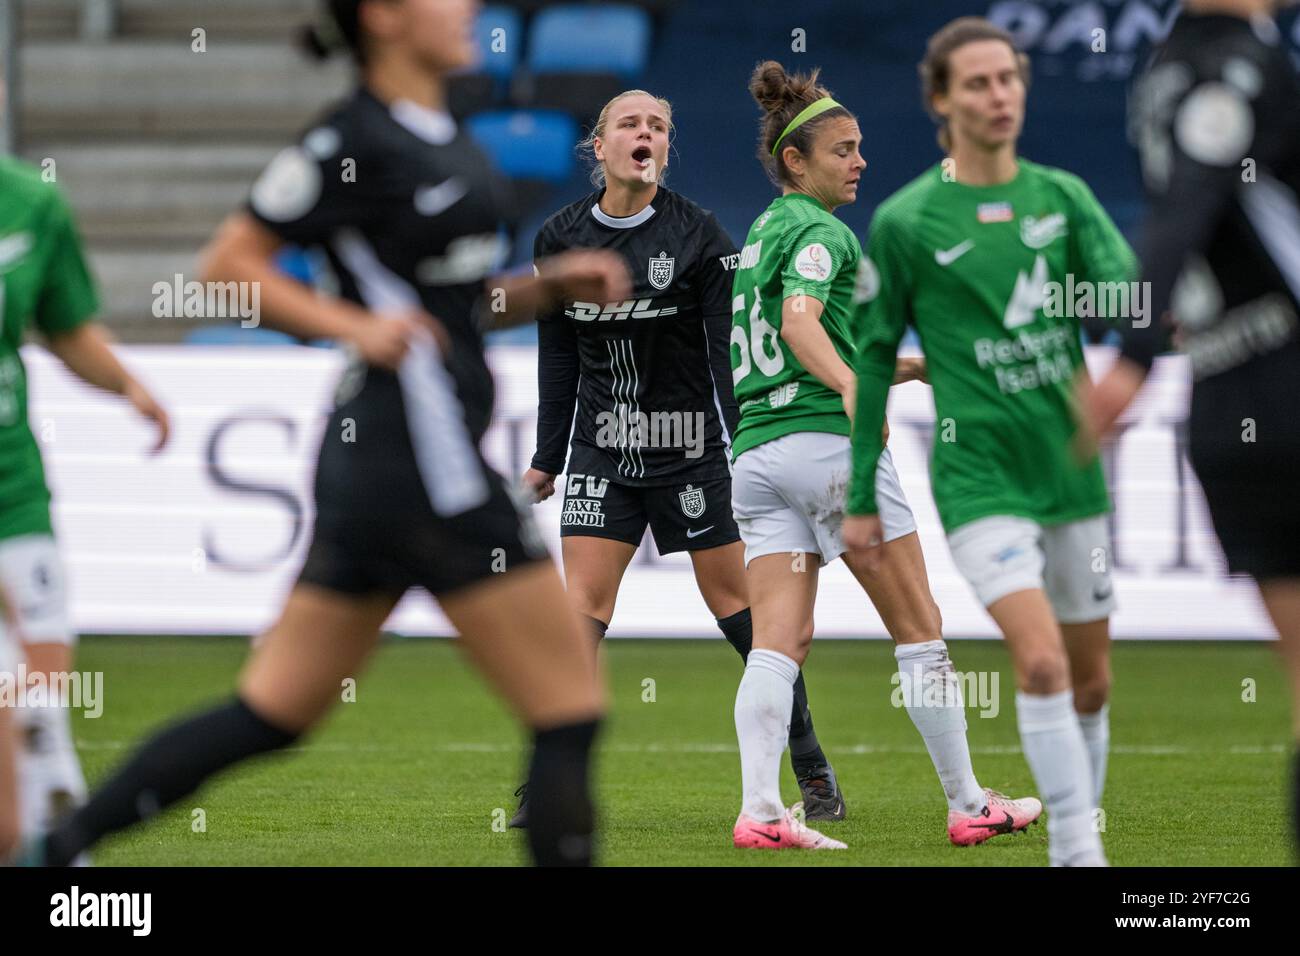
857,750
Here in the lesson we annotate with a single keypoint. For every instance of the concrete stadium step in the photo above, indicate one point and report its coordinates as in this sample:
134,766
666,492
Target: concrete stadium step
53,18
226,19
136,87
152,192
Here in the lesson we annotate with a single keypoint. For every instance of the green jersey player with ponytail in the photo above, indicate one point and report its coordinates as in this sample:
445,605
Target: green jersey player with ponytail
987,255
44,282
791,358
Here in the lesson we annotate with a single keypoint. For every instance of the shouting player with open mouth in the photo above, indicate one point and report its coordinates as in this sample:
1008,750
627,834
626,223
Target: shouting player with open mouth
651,380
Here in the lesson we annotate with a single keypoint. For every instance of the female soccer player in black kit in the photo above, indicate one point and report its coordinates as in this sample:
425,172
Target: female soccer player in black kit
1217,121
410,215
651,381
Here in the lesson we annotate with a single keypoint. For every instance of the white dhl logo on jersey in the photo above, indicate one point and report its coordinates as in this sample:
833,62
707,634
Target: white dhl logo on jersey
627,309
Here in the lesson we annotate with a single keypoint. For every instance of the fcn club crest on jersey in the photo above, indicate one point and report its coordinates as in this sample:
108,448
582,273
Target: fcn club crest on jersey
661,271
692,500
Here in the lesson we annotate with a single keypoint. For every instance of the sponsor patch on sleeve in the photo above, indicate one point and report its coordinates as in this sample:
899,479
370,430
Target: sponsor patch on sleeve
1215,125
288,188
814,262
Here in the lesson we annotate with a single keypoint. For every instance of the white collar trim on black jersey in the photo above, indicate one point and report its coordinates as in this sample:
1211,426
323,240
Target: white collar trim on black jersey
432,126
626,222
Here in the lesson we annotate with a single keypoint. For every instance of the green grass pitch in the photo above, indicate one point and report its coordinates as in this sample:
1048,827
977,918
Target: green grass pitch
416,770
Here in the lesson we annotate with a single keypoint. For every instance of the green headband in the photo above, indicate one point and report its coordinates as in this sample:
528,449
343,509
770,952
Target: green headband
808,112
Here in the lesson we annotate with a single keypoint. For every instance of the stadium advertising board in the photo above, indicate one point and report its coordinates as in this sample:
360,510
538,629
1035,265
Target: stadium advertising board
207,536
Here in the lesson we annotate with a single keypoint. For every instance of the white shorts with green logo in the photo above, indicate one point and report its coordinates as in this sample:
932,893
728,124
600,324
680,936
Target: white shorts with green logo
1002,554
788,495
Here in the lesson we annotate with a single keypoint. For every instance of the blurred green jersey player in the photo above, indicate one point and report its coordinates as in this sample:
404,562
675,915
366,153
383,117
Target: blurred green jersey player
44,284
994,260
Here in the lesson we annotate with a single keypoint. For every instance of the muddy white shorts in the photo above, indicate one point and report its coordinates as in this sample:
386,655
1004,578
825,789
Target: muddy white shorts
788,495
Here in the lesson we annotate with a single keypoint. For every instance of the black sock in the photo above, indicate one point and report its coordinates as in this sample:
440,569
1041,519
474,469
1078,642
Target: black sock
170,765
598,627
561,820
738,629
805,752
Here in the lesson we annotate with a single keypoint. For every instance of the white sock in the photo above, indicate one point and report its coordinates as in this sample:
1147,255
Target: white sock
932,696
763,705
1058,758
47,765
1096,734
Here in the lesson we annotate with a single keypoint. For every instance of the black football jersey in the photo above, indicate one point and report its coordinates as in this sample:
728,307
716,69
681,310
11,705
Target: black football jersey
410,213
1216,118
650,377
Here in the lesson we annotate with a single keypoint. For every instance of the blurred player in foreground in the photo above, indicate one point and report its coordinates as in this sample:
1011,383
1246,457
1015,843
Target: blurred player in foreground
9,657
792,356
1216,118
44,283
966,254
662,356
403,495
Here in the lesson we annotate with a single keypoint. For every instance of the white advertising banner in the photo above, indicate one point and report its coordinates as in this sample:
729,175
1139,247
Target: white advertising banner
208,536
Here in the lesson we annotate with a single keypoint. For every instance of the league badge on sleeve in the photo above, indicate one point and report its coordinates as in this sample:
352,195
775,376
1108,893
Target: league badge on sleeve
661,271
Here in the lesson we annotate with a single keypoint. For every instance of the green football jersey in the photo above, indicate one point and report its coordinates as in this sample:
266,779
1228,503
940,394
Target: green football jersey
43,279
795,248
990,277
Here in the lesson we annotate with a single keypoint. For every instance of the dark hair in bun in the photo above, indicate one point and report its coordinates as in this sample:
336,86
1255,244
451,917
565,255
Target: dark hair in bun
784,96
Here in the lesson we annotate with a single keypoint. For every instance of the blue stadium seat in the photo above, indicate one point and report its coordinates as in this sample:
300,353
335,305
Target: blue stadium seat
590,39
528,144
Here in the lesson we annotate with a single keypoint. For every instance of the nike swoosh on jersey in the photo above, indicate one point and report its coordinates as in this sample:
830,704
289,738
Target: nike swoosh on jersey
696,534
14,247
434,200
949,256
